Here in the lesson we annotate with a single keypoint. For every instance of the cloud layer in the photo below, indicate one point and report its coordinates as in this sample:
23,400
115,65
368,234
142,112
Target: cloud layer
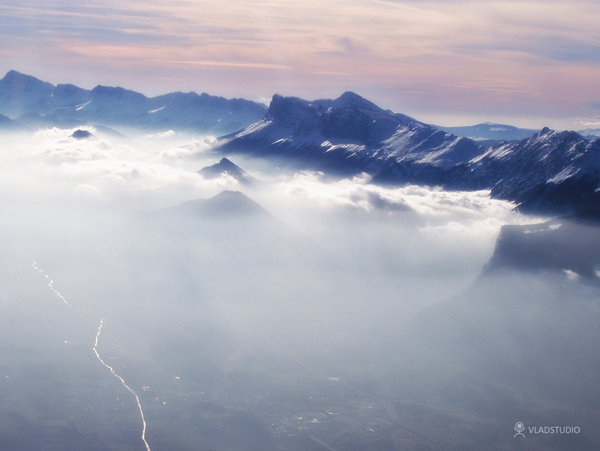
223,303
420,243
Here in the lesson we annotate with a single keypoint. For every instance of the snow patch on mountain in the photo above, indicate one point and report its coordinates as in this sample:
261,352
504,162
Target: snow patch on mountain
564,175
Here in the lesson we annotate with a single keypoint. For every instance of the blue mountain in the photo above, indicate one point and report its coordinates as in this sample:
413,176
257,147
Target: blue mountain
550,172
43,104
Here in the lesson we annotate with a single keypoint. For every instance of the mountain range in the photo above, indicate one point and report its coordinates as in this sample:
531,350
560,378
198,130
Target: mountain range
37,104
550,172
546,172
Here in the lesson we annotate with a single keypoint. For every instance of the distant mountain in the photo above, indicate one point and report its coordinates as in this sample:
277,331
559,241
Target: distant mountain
490,132
224,204
590,133
562,244
226,167
40,103
231,228
21,94
36,121
8,125
549,172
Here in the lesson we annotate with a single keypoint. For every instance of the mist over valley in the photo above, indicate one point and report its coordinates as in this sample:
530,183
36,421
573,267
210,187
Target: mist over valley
312,275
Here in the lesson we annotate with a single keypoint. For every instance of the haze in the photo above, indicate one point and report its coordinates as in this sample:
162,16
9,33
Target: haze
101,231
291,310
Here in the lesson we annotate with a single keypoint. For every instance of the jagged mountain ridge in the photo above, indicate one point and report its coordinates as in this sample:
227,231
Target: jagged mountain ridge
553,169
39,103
549,172
345,135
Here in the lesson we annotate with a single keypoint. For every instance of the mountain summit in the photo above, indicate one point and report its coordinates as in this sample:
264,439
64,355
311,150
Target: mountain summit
226,167
20,93
348,118
342,136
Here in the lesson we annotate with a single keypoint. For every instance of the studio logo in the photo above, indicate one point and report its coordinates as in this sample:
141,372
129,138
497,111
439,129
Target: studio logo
534,430
519,427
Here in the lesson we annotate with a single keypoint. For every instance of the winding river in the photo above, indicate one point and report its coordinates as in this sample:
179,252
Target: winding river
95,349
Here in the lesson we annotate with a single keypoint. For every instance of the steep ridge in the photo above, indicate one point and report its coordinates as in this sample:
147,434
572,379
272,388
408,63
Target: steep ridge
549,171
346,135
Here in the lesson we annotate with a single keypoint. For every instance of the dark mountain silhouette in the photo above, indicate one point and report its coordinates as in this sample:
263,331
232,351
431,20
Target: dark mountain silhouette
81,134
226,167
226,203
521,341
235,228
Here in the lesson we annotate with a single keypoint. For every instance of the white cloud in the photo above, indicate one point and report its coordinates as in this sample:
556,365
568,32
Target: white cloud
198,147
431,204
163,135
410,228
88,193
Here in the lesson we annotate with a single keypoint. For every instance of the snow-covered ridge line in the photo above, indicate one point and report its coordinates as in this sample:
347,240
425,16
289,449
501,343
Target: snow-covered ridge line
557,172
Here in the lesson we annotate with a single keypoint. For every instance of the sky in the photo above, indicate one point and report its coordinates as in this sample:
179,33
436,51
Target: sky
447,62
